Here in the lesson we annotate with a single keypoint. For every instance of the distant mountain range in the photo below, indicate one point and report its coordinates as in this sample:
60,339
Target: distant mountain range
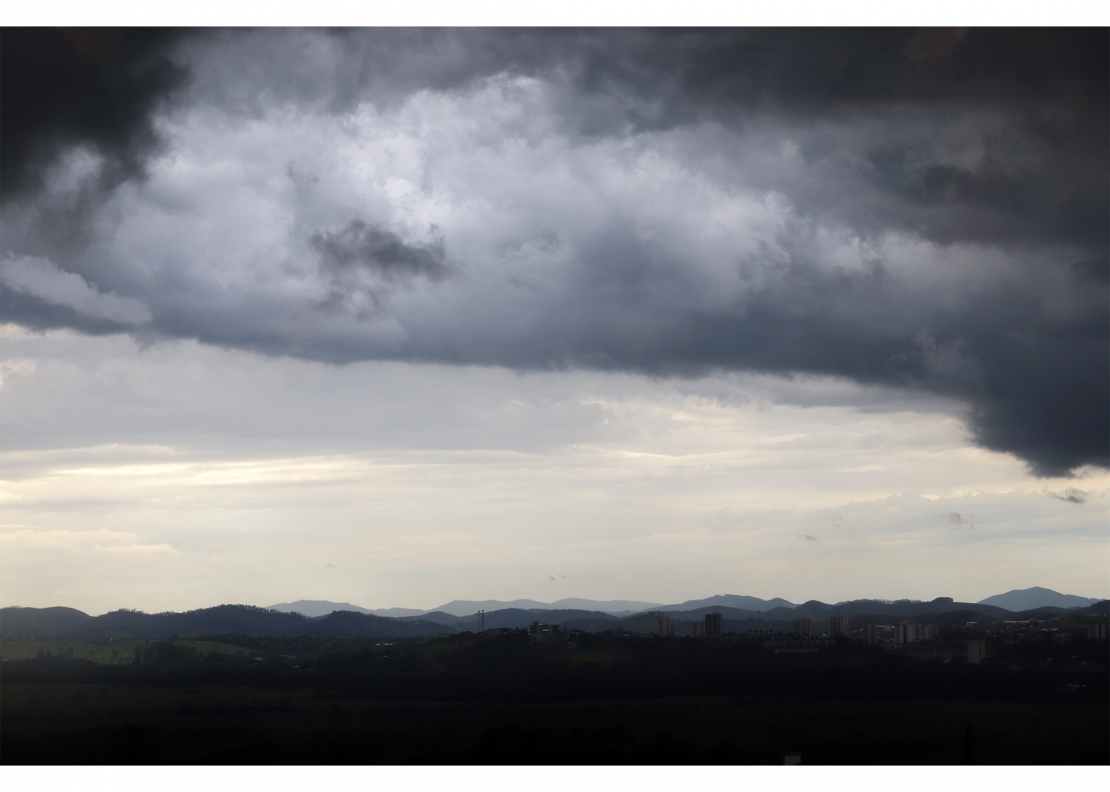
330,619
613,607
1013,601
469,607
71,624
315,608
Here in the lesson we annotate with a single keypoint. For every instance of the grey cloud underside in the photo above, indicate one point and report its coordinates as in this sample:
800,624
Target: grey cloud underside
36,313
988,147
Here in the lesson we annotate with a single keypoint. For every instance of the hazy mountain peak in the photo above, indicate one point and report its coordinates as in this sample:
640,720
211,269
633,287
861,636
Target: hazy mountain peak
739,601
314,608
1037,597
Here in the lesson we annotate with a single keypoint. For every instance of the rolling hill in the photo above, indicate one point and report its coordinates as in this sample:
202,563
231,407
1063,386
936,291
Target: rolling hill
328,619
315,608
70,624
1037,597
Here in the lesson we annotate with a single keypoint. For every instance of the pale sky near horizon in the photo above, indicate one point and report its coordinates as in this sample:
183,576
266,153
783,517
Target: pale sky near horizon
188,476
401,317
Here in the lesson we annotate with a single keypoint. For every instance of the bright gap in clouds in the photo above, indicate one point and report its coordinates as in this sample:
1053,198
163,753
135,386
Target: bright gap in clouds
180,475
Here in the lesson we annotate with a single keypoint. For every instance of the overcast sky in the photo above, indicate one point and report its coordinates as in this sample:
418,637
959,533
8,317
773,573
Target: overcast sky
396,317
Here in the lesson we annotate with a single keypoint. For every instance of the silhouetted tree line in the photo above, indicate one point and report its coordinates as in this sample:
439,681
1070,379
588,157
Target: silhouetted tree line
512,667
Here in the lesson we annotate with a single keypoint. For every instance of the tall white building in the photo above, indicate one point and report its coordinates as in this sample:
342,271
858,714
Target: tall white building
838,625
902,634
976,651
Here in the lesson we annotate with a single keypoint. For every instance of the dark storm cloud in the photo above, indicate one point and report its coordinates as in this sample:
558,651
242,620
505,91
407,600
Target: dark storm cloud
362,260
987,146
94,87
1034,392
377,249
1054,83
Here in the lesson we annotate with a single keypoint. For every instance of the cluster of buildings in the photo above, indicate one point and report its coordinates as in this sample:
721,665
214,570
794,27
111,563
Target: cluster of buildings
871,633
709,627
544,632
836,625
908,632
898,634
802,627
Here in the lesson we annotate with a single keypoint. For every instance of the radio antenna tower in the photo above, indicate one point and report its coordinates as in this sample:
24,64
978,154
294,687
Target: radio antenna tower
481,621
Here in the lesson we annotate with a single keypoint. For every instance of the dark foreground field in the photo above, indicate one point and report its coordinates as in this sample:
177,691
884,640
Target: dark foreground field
501,699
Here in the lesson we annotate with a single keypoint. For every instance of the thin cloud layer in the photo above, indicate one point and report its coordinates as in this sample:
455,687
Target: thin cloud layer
925,209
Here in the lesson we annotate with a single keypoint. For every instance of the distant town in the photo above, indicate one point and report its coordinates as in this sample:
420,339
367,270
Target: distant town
968,641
